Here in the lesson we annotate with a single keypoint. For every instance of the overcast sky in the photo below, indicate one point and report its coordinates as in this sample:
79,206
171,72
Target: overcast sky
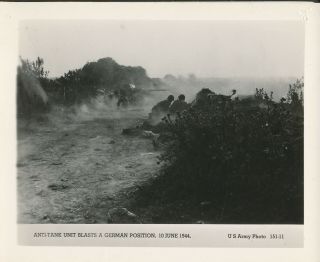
205,48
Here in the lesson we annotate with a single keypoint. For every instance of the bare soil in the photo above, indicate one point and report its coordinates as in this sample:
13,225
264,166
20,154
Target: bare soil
74,169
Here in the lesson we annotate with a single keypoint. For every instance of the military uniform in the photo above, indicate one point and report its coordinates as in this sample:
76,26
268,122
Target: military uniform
161,107
178,106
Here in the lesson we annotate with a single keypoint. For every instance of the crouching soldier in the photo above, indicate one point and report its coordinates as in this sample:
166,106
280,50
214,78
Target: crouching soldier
160,110
178,105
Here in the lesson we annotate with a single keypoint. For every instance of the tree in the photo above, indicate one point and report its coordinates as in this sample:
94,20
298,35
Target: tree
38,68
295,93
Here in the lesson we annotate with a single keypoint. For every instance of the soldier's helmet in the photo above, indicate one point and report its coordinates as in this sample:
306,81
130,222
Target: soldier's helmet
170,98
181,97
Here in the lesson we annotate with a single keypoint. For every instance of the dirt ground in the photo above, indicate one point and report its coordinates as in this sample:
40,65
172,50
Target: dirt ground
74,169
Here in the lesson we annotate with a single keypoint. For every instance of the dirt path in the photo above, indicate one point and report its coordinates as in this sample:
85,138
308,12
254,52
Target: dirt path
76,171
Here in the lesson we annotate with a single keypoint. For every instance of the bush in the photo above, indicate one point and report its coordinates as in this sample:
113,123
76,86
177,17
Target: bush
247,158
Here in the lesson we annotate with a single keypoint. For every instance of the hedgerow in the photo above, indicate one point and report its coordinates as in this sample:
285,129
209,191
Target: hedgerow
244,156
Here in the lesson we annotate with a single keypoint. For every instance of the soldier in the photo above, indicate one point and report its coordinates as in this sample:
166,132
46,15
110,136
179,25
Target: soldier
122,98
162,107
157,113
179,105
160,110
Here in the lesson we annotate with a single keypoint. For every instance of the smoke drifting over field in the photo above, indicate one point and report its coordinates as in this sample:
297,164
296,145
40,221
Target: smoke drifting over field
102,106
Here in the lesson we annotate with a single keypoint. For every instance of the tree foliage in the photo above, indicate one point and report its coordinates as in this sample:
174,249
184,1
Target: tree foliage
105,76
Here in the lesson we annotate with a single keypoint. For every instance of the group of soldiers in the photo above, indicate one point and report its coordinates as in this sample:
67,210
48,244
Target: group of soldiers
204,97
168,106
152,127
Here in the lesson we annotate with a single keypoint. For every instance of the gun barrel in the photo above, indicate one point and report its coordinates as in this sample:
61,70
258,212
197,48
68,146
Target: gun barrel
157,90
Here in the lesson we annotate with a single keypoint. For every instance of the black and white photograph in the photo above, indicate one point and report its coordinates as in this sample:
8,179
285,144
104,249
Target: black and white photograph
159,131
160,122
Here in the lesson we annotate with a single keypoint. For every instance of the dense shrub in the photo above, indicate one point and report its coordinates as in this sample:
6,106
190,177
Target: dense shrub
244,156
